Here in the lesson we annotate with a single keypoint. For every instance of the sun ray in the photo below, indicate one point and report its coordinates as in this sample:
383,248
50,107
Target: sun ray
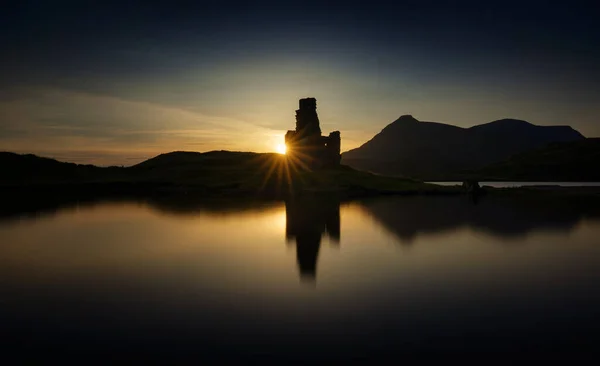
289,178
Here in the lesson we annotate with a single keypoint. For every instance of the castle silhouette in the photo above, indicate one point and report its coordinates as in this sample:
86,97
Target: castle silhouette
307,222
306,142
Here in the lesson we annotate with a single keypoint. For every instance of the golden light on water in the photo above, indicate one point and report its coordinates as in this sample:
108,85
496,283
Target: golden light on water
281,149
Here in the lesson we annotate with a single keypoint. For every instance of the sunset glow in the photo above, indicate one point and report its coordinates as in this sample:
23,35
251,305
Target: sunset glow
202,77
281,149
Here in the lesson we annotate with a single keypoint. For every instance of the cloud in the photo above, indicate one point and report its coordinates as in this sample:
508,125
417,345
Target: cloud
84,127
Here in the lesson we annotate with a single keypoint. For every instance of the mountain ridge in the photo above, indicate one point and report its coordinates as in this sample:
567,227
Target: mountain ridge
430,150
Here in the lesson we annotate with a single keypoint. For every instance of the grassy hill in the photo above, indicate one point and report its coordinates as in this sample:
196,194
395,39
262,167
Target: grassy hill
215,174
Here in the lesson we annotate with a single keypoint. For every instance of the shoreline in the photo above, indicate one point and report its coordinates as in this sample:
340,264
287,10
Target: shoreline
142,189
34,201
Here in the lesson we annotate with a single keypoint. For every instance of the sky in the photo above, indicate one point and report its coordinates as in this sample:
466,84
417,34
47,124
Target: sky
114,83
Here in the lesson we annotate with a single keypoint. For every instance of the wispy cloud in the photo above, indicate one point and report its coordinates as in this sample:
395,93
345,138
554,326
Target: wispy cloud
84,127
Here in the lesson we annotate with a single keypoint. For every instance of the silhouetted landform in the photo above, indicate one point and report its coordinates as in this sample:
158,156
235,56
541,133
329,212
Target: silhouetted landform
307,221
433,151
500,215
32,169
306,146
575,161
213,174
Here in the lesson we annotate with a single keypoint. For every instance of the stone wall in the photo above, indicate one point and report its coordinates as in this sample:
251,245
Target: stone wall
306,143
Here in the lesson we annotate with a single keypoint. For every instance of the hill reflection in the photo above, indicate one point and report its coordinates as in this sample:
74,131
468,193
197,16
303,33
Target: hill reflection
36,206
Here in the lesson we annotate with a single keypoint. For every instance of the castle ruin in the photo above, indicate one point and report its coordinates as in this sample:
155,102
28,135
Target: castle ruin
306,142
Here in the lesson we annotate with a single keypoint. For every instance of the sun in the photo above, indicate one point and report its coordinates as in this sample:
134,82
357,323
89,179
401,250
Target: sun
281,148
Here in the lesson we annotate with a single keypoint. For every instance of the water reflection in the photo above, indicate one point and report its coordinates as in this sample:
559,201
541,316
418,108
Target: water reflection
310,220
499,216
214,281
307,221
36,205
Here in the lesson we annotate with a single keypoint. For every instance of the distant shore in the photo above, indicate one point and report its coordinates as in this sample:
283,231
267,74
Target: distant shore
222,176
150,189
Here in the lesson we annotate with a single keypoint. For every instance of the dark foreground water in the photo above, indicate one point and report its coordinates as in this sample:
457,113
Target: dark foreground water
311,281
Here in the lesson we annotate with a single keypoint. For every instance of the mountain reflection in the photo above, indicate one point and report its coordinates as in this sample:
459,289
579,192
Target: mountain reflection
504,217
307,221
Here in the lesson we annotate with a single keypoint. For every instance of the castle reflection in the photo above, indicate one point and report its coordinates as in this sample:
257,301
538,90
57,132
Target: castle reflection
307,222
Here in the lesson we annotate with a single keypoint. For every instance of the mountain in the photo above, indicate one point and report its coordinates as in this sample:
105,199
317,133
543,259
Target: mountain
431,150
558,161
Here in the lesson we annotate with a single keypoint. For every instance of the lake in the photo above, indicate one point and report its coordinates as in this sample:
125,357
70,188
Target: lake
304,281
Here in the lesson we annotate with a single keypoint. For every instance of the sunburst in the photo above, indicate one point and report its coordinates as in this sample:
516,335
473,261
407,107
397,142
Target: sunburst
282,172
281,149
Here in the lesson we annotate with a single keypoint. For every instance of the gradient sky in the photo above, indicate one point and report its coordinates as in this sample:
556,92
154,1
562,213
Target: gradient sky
117,82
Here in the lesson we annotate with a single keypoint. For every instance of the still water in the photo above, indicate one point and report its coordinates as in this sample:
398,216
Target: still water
525,184
314,281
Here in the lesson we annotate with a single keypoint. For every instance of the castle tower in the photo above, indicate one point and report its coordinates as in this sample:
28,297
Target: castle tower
306,142
307,120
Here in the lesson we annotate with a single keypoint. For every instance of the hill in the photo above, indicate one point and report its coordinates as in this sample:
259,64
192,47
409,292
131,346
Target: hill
558,161
431,150
32,169
212,174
